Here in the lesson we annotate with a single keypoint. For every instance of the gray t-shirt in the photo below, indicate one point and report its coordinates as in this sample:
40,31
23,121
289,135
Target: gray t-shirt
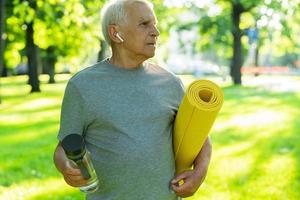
126,117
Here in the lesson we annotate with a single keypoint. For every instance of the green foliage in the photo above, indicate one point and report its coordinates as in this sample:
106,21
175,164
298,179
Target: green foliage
215,28
167,17
71,28
15,36
24,11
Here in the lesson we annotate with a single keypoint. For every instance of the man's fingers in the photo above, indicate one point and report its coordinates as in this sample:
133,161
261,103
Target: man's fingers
75,181
76,177
73,175
180,176
72,170
179,187
182,184
184,190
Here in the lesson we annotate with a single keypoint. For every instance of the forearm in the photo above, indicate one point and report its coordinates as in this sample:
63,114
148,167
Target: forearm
59,158
193,178
203,158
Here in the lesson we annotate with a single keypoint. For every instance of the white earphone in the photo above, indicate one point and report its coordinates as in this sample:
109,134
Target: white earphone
119,37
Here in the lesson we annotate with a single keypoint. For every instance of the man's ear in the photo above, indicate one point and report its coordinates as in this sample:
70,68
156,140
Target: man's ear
112,31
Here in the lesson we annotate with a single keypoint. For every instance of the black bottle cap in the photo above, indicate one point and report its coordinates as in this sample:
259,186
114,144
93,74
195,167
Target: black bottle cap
74,146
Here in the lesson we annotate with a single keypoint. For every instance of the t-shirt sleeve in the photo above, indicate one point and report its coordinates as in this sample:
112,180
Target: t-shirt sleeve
72,117
181,89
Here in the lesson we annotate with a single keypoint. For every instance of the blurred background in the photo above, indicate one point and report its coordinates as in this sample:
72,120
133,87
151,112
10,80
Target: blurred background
251,48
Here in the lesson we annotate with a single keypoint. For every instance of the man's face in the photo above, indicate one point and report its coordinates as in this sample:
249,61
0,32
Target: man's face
140,32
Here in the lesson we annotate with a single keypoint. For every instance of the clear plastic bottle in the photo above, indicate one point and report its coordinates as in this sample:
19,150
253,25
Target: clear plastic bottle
75,150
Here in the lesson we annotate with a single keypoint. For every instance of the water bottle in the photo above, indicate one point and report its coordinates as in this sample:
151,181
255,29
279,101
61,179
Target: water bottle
75,150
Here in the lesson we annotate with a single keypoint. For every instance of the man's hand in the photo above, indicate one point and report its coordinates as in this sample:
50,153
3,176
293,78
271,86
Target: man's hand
187,183
69,170
73,175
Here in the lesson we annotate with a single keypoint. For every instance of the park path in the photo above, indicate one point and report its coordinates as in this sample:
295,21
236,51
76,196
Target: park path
274,82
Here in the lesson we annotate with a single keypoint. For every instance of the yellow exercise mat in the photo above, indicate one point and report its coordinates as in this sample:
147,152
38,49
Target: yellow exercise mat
196,115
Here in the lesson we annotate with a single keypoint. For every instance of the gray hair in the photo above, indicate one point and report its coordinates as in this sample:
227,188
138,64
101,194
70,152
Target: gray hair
114,12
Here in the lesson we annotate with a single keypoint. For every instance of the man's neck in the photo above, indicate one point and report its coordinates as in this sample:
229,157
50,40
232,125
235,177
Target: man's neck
125,61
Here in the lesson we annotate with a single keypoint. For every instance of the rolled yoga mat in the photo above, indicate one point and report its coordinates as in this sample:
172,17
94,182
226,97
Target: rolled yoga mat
196,115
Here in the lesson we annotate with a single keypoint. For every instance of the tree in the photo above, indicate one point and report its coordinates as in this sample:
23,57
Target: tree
224,29
60,30
14,38
2,25
93,9
237,9
234,9
49,59
32,53
2,40
26,10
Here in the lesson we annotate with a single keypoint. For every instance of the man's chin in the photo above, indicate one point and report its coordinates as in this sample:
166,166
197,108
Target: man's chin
151,55
148,55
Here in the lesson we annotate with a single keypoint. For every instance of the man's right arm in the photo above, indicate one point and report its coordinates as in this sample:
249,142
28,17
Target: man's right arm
70,172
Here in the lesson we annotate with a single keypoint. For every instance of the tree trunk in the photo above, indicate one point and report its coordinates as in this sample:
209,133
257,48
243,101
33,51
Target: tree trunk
2,25
257,56
32,56
51,72
256,63
4,71
51,58
237,59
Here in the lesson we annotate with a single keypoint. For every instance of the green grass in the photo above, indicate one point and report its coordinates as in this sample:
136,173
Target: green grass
28,128
255,139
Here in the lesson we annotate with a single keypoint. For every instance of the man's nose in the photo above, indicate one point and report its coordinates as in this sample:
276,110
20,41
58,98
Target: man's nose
155,32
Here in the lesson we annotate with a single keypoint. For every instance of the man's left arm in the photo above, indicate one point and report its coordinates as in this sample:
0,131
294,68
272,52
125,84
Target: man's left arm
193,178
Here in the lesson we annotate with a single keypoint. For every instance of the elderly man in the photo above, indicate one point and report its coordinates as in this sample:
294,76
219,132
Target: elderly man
124,108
